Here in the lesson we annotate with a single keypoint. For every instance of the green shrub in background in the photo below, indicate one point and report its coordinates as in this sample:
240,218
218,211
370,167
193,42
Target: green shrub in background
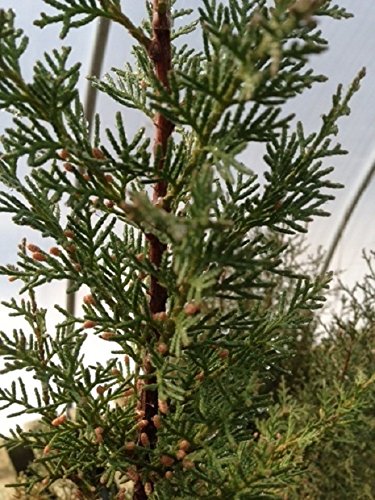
221,387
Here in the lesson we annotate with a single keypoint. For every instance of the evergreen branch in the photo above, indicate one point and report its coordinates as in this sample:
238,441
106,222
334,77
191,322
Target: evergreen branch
86,11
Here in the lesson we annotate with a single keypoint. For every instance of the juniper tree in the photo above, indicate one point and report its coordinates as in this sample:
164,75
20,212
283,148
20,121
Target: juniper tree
181,246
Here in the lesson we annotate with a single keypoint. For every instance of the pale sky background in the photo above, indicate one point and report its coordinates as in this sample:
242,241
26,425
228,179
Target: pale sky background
352,46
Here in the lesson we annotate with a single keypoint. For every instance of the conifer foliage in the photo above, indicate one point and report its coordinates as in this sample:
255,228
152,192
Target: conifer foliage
182,248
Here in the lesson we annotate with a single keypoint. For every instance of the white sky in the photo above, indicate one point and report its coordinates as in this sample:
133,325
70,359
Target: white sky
352,45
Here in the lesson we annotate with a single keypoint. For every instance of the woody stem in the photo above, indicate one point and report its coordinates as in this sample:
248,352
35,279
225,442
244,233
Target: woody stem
159,51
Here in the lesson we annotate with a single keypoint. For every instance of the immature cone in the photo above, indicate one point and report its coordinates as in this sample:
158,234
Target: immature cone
55,251
89,324
98,154
191,309
99,435
144,440
139,414
223,353
63,154
166,460
47,449
40,257
33,248
162,348
58,420
184,444
180,454
68,167
160,316
101,389
142,424
163,406
68,233
89,300
107,335
157,421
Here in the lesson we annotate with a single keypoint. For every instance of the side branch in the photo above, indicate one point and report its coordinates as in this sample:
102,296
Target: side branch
118,16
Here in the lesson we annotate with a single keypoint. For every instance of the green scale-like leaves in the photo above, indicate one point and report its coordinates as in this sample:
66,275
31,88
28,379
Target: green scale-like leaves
235,306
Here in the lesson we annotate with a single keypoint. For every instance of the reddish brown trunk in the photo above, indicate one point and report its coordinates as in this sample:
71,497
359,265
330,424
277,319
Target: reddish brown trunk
160,54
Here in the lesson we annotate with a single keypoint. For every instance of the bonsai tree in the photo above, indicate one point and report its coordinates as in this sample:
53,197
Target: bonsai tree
183,250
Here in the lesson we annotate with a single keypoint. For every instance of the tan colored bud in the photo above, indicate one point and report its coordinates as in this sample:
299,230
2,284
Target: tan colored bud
160,316
107,335
89,324
47,449
162,348
33,248
139,414
58,421
200,376
142,424
77,267
168,474
101,389
163,406
184,444
12,278
68,167
115,372
99,435
109,204
40,257
63,154
223,353
86,177
98,154
157,421
68,233
88,300
55,251
144,440
180,454
166,460
191,309
108,178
